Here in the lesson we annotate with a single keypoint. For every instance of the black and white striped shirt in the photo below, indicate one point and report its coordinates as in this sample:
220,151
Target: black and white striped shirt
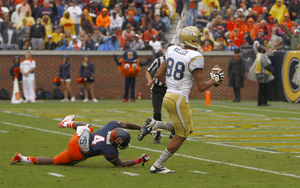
153,69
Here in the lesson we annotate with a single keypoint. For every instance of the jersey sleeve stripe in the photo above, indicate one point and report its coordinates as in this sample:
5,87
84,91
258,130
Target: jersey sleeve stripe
195,58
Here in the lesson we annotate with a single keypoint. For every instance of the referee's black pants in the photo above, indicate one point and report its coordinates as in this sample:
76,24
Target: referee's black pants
157,96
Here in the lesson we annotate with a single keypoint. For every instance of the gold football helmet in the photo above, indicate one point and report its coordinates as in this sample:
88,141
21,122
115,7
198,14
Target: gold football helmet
190,36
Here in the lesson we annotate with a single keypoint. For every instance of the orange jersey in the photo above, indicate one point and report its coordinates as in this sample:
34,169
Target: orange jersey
206,48
258,10
288,24
230,25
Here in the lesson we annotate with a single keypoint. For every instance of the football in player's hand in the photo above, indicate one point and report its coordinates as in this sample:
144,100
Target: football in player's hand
217,69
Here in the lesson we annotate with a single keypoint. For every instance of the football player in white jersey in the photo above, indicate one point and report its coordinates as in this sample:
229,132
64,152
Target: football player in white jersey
182,65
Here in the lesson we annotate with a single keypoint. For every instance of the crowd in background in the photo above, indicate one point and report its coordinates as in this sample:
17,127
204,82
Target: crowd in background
142,24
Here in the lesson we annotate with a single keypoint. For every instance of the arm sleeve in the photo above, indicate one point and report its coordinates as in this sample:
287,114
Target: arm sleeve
287,32
196,63
153,67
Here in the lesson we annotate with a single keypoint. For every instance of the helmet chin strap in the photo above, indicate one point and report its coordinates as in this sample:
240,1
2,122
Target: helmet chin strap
188,44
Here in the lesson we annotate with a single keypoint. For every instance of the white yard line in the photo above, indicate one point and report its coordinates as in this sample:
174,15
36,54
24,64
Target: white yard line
256,109
3,131
57,175
130,174
176,154
199,172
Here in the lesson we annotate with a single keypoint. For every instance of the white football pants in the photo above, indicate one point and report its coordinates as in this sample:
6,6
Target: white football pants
28,89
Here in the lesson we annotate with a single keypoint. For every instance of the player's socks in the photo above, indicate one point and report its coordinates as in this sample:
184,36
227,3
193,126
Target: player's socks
69,124
163,125
30,160
163,158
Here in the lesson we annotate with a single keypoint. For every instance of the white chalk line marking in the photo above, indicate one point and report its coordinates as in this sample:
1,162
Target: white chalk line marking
55,174
3,131
176,154
130,174
199,172
264,110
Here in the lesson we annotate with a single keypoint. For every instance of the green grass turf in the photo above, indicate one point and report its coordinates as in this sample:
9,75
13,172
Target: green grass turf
263,125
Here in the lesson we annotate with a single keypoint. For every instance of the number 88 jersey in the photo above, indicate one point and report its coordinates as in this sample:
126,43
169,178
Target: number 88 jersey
181,64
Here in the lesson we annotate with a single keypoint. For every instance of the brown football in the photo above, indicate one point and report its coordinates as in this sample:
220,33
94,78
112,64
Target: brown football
215,69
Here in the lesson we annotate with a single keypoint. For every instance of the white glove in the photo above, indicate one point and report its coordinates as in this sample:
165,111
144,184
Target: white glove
217,76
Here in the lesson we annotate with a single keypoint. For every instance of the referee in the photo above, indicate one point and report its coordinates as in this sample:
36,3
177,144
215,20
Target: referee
158,90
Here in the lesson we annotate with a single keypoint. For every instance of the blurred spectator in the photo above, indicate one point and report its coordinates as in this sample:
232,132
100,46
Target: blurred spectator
143,23
86,25
220,27
231,23
56,35
59,44
50,44
251,15
165,19
82,36
227,10
11,5
220,44
214,14
132,8
45,10
25,6
46,22
103,21
265,13
80,4
114,43
75,12
10,37
86,13
22,31
87,71
68,23
97,36
27,68
147,6
245,9
118,10
268,4
179,7
209,5
138,14
126,46
147,46
160,27
164,7
192,7
294,38
155,44
239,26
26,45
115,22
261,37
14,73
211,25
288,22
206,46
202,19
64,75
247,40
29,18
231,46
294,8
16,16
279,10
259,19
134,23
149,32
251,28
128,34
124,7
263,26
207,36
137,44
105,46
257,8
286,40
236,72
270,23
90,44
150,16
4,24
76,44
111,5
65,46
276,42
61,8
93,9
37,34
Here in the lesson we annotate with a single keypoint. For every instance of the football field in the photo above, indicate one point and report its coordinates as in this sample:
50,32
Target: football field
233,145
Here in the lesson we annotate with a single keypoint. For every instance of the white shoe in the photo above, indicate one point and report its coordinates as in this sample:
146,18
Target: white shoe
95,100
64,100
21,99
69,118
160,170
72,99
86,100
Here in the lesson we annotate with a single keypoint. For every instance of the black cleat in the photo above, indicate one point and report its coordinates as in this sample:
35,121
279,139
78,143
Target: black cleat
146,129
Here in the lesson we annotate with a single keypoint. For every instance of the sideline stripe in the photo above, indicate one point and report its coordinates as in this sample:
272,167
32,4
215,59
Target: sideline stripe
57,175
176,154
264,110
130,174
